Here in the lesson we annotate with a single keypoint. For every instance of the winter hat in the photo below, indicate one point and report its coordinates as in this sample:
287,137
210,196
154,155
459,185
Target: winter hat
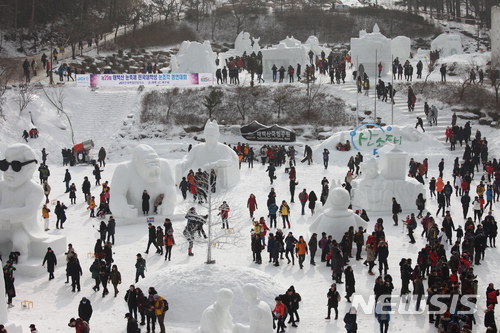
72,320
128,315
139,255
32,326
49,249
156,296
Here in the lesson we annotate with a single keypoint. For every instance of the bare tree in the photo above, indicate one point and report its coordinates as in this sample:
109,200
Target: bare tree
217,237
280,99
56,97
465,76
431,66
495,76
25,94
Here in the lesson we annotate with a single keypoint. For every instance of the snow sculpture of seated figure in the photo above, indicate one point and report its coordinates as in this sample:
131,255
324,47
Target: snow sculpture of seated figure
147,172
211,155
336,218
217,318
261,319
20,200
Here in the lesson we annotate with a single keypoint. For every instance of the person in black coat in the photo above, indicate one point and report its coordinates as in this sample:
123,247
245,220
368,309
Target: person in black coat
108,254
74,271
131,299
132,326
291,300
104,276
111,230
86,188
313,247
350,320
333,300
383,254
489,317
97,174
85,309
184,187
51,260
103,228
151,237
312,201
350,283
145,202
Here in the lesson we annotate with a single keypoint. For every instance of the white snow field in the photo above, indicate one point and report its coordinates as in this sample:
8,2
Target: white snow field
108,115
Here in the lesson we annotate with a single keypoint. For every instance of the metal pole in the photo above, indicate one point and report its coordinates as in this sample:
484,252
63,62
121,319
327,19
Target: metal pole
392,89
357,94
375,94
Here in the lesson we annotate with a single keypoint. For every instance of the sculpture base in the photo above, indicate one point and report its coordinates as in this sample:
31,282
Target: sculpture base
38,248
13,328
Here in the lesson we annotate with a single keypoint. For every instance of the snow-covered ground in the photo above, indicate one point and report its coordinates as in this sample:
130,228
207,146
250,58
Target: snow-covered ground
187,282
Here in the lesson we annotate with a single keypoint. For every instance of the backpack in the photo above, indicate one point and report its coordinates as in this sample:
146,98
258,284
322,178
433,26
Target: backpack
165,305
84,327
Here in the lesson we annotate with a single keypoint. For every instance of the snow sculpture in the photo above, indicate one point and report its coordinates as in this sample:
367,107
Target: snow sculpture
363,51
495,36
243,43
216,318
211,155
336,218
146,171
291,42
259,312
194,57
4,318
447,44
20,199
282,55
401,46
256,46
313,44
375,189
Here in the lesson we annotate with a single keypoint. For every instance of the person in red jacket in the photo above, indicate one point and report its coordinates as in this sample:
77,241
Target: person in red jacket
303,197
279,314
79,325
448,133
252,204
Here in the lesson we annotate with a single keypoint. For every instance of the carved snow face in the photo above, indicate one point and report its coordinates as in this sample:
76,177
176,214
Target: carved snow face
339,198
147,163
212,134
21,153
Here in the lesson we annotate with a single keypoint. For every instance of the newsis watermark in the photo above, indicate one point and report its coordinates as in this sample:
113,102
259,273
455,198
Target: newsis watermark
407,304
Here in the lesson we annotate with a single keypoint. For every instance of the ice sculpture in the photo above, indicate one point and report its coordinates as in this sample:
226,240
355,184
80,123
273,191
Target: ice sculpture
243,43
363,51
194,57
211,155
336,218
401,47
447,44
283,55
383,179
20,199
259,312
216,318
146,171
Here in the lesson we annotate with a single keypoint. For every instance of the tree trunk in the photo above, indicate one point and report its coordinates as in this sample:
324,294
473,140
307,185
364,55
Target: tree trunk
32,19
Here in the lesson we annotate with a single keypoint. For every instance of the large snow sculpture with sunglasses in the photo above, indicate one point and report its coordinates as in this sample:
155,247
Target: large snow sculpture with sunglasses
20,206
